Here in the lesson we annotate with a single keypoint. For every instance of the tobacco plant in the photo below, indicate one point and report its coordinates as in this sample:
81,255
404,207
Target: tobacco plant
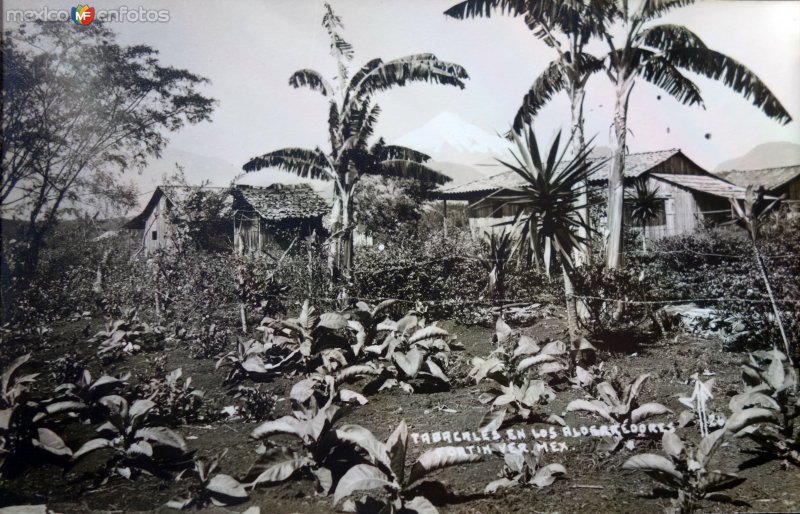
176,401
685,471
771,384
135,445
312,425
413,354
211,487
247,360
84,396
125,336
386,472
626,411
22,433
521,469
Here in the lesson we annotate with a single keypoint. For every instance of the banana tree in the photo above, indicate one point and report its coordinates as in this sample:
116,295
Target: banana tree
567,28
659,54
546,204
352,117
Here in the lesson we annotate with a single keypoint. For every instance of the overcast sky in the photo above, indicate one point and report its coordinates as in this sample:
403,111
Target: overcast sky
249,48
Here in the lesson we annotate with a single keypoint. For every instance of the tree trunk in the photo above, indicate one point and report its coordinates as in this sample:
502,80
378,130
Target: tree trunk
582,254
644,238
616,178
572,314
346,264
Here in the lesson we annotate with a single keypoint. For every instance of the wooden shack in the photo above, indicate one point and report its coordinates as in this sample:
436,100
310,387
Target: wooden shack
781,182
690,196
249,219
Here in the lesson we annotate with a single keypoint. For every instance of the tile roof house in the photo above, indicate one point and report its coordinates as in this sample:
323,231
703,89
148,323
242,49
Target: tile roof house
690,195
777,181
249,218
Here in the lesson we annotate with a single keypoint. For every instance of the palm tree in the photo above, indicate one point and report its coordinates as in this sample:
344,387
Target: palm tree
547,203
566,27
644,204
351,122
658,54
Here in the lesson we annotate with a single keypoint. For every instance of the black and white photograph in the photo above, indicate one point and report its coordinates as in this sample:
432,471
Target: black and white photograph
400,256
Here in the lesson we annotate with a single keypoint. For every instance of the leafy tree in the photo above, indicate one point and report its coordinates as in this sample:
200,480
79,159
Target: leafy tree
659,54
644,204
351,123
388,205
78,109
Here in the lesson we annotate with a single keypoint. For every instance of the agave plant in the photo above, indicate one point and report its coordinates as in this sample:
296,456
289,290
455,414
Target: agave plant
644,204
387,472
548,205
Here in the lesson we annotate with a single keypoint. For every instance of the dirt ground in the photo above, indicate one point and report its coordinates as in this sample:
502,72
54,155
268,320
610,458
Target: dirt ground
595,481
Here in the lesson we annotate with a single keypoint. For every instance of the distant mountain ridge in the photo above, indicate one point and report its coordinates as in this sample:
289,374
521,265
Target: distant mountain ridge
767,155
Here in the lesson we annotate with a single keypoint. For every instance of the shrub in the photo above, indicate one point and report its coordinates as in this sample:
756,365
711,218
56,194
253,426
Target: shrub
719,264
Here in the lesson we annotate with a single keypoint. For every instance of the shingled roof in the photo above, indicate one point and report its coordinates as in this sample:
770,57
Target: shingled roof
770,178
703,184
635,164
273,203
281,201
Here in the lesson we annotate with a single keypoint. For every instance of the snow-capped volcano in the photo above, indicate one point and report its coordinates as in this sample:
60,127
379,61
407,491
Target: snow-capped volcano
447,137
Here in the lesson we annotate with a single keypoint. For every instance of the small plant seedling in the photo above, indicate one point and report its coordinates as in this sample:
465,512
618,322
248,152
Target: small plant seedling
525,469
212,487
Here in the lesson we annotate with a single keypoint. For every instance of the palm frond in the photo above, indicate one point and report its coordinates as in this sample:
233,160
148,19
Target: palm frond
718,66
660,71
334,128
546,85
652,9
484,8
340,48
300,161
399,72
409,169
668,37
311,79
393,152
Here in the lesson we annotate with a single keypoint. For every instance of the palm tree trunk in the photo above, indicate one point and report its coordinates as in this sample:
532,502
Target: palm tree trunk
644,237
583,252
614,256
346,255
